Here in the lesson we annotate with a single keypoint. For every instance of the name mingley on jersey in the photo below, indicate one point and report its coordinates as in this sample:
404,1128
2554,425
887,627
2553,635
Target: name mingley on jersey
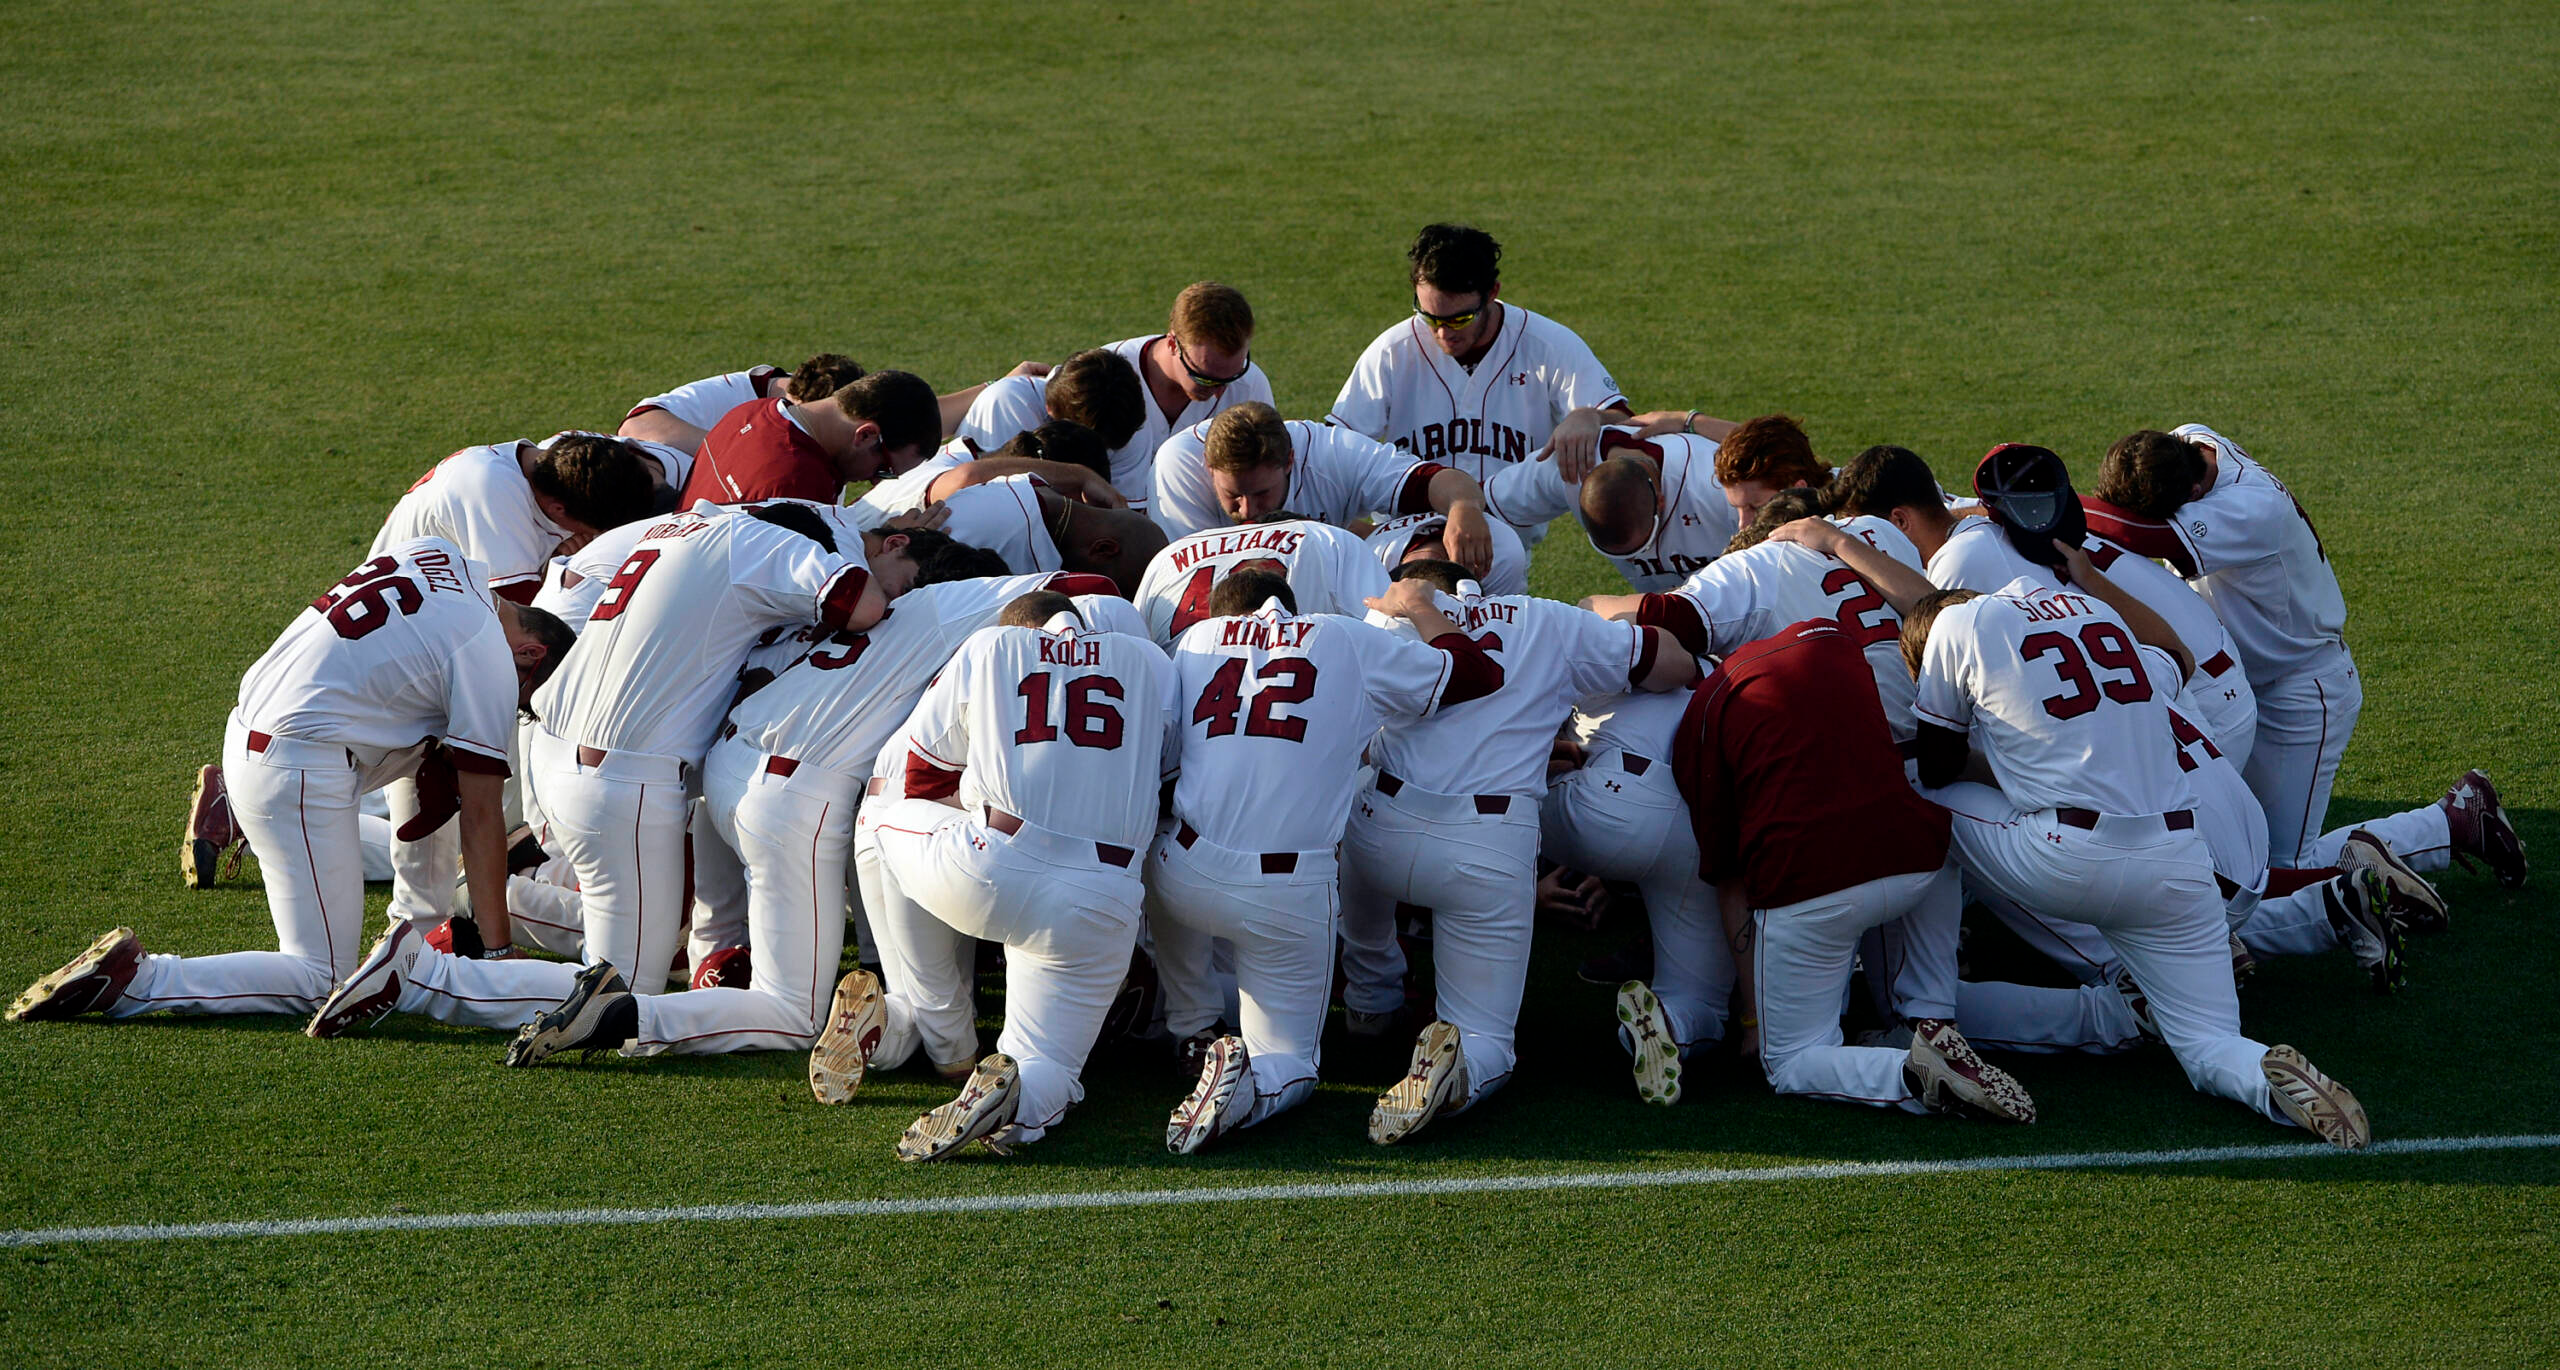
1254,632
1280,541
1068,651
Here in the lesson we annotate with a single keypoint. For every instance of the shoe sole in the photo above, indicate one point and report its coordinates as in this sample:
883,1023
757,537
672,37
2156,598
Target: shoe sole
2390,972
1223,1069
2329,1112
198,858
1657,1064
2505,856
1412,1102
53,998
856,1019
344,1011
2404,884
1997,1095
568,1027
968,1118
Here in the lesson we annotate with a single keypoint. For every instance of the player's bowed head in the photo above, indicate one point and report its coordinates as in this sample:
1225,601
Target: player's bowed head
1117,543
1251,457
1763,456
587,483
1037,608
1100,390
2154,474
1246,590
1894,484
537,640
887,420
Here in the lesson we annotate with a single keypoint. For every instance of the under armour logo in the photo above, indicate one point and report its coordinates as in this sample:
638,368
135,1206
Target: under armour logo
1688,520
1612,784
1519,378
2053,837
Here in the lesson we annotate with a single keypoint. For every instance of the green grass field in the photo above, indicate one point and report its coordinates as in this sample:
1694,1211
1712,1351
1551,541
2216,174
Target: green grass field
265,264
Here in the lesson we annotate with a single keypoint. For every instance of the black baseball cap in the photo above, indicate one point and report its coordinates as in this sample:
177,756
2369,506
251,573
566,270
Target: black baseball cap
2027,491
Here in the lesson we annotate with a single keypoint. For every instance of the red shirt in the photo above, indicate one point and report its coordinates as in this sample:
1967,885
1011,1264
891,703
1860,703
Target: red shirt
1792,778
754,452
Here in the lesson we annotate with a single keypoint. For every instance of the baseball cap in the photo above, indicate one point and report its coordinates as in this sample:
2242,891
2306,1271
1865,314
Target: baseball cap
2027,491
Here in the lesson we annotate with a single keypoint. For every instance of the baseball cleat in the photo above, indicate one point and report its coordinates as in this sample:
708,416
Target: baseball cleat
600,1014
2359,905
2243,964
855,1023
2416,902
1133,1009
2480,830
1217,1101
1947,1076
984,1106
1437,1077
1648,1032
211,831
2319,1104
2139,1003
90,982
374,989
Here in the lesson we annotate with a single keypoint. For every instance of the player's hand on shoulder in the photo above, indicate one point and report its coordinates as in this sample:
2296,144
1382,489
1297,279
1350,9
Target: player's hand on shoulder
1404,599
2076,566
930,516
1030,369
1575,445
1470,538
1822,535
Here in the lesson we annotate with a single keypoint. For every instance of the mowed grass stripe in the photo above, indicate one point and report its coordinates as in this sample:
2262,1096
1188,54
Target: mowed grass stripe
1157,1198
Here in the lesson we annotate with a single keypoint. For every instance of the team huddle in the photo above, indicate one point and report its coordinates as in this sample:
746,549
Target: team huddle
1206,718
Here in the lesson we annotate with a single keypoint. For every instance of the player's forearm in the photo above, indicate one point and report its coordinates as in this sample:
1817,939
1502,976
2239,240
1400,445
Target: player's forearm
1901,586
2147,625
1450,488
657,425
484,855
1694,422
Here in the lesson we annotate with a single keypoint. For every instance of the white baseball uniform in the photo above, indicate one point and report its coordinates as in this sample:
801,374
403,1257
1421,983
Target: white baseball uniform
1275,709
1451,822
1691,529
1338,476
1328,568
406,648
702,402
2100,822
675,465
2249,548
2223,702
1021,403
905,493
1509,574
1755,592
1406,391
1620,817
1054,741
1003,516
625,722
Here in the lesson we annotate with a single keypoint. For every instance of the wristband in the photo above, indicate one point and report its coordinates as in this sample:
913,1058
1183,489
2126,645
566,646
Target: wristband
1689,425
497,953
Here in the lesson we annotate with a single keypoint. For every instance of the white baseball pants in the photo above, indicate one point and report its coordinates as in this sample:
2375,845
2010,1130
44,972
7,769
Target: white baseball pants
621,824
2150,890
423,872
1281,926
794,834
1066,918
928,978
718,918
1478,874
1802,954
1608,821
2304,722
296,800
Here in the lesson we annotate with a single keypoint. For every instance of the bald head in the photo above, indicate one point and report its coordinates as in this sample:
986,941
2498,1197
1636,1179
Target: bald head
1036,608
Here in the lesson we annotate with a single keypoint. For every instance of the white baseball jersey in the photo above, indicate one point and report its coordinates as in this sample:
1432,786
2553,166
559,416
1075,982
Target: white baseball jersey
2052,687
1551,654
675,465
1406,391
703,402
1640,722
658,662
479,500
837,705
1329,571
1275,709
2259,562
1133,465
1003,516
406,647
1978,556
571,585
1509,575
2228,815
1753,593
886,499
1338,476
1067,730
1692,529
2218,694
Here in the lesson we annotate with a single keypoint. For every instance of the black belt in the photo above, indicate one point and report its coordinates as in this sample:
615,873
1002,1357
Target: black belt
1109,855
1485,803
1273,862
2175,820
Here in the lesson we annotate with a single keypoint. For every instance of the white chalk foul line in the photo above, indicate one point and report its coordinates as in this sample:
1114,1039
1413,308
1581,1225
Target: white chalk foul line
1158,1198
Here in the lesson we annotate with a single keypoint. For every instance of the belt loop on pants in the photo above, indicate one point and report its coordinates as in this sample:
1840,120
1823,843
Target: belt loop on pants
1273,862
782,766
1633,764
1391,786
1106,853
875,785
